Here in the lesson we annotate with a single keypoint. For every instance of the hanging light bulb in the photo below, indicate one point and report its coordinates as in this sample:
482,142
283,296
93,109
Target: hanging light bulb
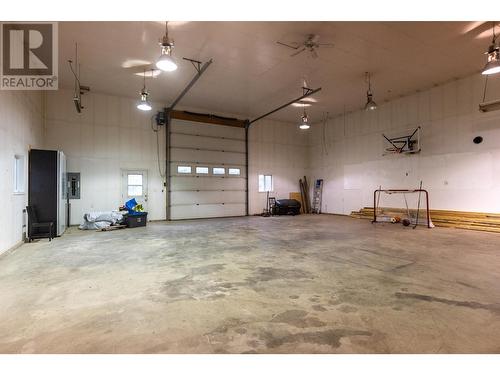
493,64
165,61
143,103
370,103
303,121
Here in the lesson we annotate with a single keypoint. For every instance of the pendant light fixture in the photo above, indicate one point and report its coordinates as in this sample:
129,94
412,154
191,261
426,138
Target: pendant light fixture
493,64
144,104
370,104
165,61
303,121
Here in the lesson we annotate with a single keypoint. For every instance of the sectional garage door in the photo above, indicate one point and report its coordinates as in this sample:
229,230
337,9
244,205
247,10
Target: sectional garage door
207,170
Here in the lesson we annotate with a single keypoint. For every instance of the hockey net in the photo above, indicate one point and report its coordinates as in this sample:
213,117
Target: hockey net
402,205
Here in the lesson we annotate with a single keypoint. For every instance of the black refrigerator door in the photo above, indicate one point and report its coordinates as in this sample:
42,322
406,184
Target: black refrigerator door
42,190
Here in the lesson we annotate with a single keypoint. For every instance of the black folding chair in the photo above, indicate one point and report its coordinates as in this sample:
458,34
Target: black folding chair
37,229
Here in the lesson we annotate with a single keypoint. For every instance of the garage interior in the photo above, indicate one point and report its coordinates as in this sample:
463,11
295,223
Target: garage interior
386,133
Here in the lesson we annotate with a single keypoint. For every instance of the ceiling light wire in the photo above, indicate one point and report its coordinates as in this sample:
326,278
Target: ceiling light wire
485,87
156,131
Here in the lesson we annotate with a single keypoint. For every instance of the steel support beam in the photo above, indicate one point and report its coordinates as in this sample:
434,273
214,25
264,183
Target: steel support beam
247,128
307,92
190,84
167,160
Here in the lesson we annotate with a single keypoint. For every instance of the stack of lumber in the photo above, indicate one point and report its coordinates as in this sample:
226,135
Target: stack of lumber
441,218
304,191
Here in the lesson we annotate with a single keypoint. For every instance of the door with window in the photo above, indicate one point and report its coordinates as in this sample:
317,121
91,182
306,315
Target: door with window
135,185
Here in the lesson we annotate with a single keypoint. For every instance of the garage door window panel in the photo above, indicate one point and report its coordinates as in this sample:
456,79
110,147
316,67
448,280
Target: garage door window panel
219,171
202,170
184,169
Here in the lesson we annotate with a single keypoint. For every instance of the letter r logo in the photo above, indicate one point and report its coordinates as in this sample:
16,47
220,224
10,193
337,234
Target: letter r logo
27,49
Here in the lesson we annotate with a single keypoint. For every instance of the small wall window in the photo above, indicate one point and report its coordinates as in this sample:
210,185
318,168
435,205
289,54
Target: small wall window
183,169
265,183
134,185
219,170
202,170
234,171
18,174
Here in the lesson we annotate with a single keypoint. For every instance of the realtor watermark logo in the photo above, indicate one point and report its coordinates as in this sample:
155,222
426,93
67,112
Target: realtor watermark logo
29,56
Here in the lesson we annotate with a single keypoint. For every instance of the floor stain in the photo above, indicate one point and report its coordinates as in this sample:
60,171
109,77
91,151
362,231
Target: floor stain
334,302
297,318
205,270
289,315
470,304
187,288
348,309
329,337
318,308
263,274
467,285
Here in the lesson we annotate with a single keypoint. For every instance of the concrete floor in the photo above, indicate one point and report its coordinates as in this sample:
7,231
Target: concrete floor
306,284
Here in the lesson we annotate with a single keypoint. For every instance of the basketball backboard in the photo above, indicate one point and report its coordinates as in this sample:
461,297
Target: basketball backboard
406,141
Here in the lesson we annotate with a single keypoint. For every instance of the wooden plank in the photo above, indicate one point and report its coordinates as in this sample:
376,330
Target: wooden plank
481,221
207,118
306,195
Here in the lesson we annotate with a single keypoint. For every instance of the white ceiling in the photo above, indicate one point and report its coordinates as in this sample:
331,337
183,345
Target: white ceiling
251,74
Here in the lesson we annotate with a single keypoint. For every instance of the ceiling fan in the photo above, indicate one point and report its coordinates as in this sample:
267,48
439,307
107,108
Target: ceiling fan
480,29
311,44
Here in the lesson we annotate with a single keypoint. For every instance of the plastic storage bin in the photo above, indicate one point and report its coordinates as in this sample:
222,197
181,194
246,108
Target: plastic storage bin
137,219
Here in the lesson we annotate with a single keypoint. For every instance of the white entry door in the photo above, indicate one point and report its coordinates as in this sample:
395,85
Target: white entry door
135,185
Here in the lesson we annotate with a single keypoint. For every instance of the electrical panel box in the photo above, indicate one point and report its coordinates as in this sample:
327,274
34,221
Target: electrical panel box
73,185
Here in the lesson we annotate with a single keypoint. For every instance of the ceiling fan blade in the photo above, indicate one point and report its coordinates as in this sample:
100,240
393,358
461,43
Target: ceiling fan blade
296,53
326,45
481,30
477,27
288,45
149,69
314,54
139,67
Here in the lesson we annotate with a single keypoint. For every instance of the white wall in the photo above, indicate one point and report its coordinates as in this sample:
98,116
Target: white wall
111,134
21,128
279,149
459,174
